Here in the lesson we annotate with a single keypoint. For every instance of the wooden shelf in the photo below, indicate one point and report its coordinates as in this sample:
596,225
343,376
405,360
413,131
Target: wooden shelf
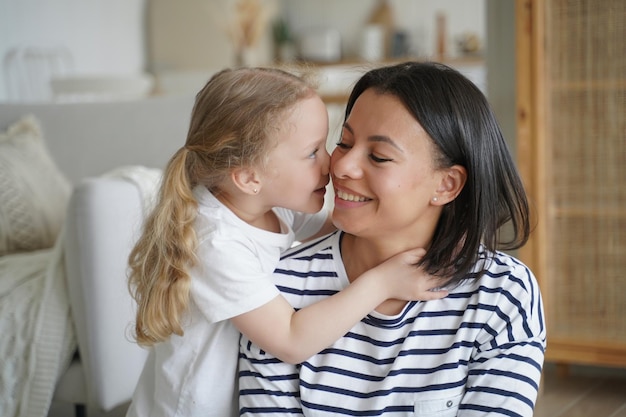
452,61
599,352
355,66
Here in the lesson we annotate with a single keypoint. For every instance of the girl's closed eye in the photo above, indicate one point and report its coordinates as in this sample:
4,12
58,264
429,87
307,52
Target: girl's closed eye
313,154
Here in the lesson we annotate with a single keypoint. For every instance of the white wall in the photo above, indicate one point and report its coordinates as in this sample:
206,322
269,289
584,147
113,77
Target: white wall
105,37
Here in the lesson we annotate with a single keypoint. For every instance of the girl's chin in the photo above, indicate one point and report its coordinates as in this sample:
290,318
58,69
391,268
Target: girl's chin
313,207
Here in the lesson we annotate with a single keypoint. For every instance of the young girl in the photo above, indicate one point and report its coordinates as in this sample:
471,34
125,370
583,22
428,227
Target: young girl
231,200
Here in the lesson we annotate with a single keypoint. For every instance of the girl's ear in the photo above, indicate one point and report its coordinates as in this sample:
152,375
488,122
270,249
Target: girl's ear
246,179
452,182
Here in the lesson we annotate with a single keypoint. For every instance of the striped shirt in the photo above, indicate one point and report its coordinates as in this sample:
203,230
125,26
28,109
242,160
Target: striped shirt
477,352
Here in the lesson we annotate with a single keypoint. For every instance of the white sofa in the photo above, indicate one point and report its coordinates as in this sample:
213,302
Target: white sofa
87,140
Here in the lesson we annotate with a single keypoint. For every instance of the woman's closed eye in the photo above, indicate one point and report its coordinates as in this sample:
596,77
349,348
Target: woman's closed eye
379,160
372,156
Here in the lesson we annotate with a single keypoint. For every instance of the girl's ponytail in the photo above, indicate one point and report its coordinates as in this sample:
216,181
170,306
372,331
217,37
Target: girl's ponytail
159,263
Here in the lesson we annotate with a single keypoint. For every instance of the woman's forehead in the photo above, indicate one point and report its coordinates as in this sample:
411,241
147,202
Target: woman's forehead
383,114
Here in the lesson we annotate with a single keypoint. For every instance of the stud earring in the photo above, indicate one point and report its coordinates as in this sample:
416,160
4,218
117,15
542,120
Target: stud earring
435,199
255,191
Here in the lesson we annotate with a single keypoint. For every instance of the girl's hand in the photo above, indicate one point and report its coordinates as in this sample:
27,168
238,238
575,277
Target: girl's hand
403,280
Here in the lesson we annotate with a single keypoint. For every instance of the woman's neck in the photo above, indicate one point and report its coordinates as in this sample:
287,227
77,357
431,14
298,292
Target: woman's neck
360,255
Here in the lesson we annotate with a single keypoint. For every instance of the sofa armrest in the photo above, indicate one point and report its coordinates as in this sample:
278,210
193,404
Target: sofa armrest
104,219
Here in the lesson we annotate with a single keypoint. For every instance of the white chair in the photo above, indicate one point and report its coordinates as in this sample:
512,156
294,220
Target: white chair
103,220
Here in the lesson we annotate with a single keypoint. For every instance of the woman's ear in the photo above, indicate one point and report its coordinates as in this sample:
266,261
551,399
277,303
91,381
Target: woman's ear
452,182
246,179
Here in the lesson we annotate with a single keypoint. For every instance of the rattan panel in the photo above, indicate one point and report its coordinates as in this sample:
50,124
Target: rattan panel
588,148
587,284
586,173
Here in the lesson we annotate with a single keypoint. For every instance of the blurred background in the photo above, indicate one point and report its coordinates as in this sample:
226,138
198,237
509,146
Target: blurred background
180,42
553,71
73,50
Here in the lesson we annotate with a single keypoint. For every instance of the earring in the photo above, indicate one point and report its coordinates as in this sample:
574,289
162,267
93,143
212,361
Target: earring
435,199
255,191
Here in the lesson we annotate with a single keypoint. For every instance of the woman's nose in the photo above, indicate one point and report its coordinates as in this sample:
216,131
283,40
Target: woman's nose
344,164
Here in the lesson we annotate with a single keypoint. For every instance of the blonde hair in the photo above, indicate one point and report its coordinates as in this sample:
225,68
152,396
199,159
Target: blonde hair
232,125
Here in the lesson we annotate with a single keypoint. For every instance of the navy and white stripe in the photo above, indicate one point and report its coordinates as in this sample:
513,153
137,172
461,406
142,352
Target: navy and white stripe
477,352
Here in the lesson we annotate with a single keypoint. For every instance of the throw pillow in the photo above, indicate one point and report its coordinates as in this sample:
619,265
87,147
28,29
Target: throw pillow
33,191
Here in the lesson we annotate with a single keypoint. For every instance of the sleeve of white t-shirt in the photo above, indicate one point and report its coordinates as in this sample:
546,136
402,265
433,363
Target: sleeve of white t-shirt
229,279
304,225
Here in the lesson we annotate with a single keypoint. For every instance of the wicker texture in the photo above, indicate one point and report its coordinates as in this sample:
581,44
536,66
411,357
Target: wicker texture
586,175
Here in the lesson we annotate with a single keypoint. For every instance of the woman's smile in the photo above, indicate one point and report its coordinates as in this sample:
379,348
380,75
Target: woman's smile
345,196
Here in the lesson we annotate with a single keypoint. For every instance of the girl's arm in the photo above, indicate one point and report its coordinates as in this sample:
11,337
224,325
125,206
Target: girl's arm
295,336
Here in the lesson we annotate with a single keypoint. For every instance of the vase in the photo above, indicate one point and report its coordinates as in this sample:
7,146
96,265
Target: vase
246,57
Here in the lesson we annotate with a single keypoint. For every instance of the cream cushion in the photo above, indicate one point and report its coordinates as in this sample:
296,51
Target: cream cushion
33,191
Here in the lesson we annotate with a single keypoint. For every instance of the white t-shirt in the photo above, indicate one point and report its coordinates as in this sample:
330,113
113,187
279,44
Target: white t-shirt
195,375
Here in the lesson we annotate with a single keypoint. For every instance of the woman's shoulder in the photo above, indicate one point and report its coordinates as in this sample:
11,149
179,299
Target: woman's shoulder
502,261
503,273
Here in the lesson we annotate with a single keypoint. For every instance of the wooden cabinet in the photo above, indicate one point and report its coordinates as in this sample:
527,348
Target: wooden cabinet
571,125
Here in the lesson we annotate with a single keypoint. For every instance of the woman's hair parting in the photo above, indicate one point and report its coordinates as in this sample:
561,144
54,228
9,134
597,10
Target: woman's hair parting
464,130
233,121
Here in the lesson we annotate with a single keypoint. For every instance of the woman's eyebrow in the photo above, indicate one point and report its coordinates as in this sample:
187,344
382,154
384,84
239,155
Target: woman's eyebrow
383,138
374,138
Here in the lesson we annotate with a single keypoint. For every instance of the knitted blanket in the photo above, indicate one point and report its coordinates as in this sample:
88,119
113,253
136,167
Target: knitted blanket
38,340
37,335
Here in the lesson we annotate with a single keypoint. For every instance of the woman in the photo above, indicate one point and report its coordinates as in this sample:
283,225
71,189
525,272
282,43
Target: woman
421,163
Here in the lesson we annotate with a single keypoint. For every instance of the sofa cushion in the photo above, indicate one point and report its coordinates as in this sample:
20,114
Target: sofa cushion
33,191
